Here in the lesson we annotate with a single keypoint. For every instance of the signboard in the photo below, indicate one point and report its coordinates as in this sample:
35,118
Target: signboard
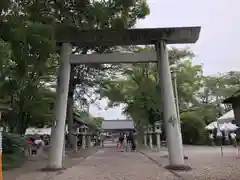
112,37
172,120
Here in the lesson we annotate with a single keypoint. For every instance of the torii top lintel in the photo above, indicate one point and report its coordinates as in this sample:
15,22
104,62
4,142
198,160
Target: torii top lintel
111,37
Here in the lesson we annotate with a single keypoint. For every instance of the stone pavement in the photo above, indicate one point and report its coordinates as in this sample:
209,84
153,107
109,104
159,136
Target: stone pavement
207,162
109,164
33,166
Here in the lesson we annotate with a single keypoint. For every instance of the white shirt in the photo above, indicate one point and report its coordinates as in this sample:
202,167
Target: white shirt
219,134
39,141
233,135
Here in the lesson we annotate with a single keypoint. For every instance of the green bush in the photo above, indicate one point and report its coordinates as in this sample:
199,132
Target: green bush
193,129
14,147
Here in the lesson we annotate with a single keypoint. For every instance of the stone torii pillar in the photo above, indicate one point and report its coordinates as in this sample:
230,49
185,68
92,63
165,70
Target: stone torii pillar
58,128
174,136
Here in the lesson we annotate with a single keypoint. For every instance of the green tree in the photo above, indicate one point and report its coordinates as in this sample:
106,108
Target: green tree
30,64
23,26
193,128
138,88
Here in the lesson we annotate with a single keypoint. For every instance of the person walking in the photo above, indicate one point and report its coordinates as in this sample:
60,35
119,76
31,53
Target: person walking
132,141
40,146
121,139
125,142
30,143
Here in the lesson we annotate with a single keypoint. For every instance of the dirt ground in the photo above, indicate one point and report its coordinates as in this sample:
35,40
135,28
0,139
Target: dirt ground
206,162
36,164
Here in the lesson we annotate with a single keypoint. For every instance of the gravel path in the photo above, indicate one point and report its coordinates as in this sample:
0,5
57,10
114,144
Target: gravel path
207,163
109,164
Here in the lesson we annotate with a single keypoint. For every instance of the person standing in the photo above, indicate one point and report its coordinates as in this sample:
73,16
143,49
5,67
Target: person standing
132,141
30,143
233,138
219,137
121,139
40,146
211,139
125,142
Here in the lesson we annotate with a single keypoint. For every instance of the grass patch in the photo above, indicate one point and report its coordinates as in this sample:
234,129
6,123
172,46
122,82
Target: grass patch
13,155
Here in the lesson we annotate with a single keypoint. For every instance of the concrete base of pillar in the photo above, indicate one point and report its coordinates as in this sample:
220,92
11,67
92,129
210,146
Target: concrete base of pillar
166,156
51,169
178,167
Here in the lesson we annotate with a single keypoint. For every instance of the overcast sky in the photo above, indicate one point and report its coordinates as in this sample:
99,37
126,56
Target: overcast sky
217,48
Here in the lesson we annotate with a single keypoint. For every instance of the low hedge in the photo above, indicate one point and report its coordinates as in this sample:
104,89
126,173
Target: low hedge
14,147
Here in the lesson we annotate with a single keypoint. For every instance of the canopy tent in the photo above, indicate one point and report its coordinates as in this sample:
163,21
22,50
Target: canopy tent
38,131
211,126
228,127
223,127
228,117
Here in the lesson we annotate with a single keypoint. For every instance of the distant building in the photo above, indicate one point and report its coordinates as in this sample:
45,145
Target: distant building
118,126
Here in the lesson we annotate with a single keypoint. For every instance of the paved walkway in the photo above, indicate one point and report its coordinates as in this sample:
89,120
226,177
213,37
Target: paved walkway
207,162
109,164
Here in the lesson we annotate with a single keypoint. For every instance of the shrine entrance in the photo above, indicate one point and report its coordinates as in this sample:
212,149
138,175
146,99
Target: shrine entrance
156,36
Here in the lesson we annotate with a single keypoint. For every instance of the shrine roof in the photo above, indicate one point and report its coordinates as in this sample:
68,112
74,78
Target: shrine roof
117,124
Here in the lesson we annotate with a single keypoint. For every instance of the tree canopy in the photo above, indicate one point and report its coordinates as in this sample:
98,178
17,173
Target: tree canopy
29,53
200,96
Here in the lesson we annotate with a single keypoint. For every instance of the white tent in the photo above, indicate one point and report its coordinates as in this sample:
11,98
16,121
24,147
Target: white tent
228,127
223,126
38,131
228,117
211,126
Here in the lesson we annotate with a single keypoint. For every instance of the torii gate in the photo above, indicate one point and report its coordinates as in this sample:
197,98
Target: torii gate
157,36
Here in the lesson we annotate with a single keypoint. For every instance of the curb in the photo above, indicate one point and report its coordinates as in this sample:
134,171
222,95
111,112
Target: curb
161,165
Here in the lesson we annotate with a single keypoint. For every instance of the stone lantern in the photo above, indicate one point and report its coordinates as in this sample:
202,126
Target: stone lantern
150,131
83,131
158,132
157,126
89,139
145,136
